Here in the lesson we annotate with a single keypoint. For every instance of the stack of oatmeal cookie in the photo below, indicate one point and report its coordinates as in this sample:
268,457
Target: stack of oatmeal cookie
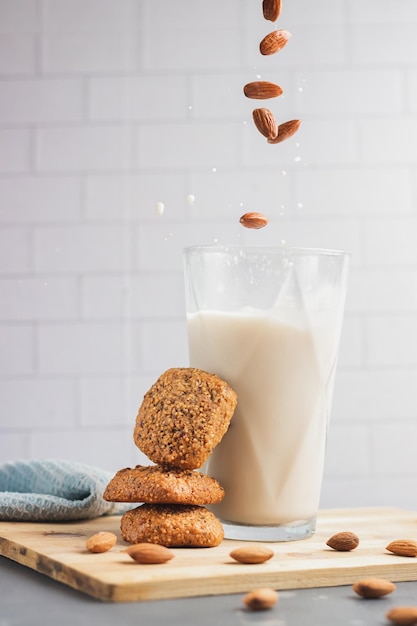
183,416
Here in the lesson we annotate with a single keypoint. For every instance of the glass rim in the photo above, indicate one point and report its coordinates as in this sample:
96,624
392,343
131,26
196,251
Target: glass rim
266,249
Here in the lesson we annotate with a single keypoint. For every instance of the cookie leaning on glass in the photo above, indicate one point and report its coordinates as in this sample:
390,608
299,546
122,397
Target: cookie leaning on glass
183,416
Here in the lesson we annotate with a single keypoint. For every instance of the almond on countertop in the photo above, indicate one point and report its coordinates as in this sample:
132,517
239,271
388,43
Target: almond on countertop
373,587
343,542
253,220
403,547
274,41
252,554
262,90
101,542
149,553
286,130
403,615
271,9
260,599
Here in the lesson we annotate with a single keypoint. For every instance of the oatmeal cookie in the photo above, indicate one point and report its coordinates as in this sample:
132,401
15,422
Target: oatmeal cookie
164,485
173,525
183,416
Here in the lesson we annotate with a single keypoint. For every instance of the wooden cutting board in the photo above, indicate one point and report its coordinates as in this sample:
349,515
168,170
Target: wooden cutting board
58,550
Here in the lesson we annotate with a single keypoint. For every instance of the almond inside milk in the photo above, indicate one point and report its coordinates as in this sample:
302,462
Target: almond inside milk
270,462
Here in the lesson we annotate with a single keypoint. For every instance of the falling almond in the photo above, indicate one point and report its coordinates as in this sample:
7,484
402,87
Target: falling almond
271,9
253,220
285,131
274,41
265,122
262,90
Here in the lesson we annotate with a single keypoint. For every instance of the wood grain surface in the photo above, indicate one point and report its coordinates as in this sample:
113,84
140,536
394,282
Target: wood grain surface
58,550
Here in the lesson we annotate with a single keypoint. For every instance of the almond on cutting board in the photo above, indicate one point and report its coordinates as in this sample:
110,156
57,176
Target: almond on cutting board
274,42
252,554
343,542
149,553
101,542
373,587
403,547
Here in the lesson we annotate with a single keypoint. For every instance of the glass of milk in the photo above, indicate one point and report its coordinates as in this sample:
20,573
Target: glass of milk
268,321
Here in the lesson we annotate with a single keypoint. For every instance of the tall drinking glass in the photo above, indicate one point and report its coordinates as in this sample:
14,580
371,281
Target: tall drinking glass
268,321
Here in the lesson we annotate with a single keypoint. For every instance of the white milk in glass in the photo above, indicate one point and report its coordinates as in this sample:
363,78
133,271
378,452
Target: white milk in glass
270,462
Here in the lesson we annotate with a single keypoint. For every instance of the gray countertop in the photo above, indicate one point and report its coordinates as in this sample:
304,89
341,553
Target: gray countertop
30,599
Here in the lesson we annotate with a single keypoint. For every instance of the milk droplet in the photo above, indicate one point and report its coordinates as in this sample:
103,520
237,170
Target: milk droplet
160,206
297,159
283,173
299,205
214,170
190,198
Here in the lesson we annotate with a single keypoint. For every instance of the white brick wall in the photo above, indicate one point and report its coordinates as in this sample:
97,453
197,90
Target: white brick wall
15,149
107,108
30,200
38,101
83,149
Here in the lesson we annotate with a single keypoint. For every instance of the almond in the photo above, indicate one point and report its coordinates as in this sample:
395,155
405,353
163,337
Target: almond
253,220
403,615
260,599
271,9
274,41
262,90
149,553
265,122
286,130
101,542
343,542
252,554
373,587
403,547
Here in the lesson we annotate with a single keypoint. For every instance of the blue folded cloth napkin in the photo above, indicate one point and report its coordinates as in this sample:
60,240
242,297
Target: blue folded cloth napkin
54,490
